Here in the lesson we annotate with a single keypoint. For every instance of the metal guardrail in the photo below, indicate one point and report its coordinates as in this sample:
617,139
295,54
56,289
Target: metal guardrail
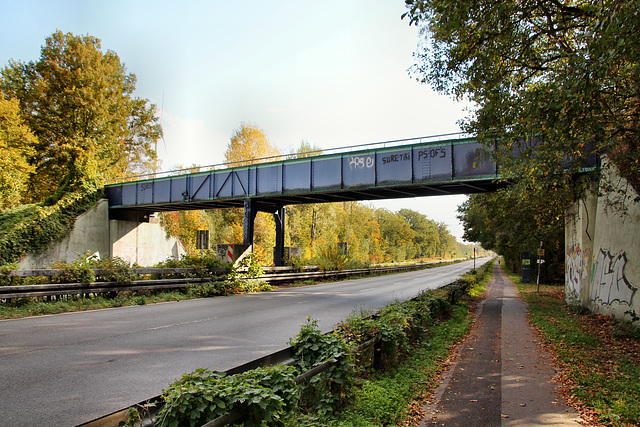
58,289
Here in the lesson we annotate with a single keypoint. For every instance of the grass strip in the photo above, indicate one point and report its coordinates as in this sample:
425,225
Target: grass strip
386,399
27,307
600,356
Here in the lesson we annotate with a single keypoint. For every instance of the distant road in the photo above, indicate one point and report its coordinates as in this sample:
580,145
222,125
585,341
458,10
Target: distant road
67,369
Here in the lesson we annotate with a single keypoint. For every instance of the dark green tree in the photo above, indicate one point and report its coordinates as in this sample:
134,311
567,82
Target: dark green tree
78,101
516,220
562,74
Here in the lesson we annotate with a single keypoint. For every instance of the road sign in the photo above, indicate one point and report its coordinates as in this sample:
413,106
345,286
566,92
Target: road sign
540,252
202,239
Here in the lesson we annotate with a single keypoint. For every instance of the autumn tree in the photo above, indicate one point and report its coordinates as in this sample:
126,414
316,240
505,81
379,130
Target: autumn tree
397,235
554,81
78,101
447,242
183,225
16,145
248,143
305,149
427,238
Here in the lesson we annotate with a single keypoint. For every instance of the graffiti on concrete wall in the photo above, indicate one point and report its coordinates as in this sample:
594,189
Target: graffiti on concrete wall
609,281
573,271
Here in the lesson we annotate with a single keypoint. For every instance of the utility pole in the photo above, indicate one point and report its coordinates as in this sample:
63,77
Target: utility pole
474,257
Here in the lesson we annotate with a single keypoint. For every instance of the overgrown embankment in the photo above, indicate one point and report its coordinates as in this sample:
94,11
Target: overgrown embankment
31,228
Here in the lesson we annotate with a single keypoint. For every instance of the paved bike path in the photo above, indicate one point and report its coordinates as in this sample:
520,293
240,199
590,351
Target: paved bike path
501,376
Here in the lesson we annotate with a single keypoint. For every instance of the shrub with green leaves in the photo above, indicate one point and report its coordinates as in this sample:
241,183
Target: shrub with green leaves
115,269
208,264
5,270
79,270
254,285
195,399
210,289
262,394
324,392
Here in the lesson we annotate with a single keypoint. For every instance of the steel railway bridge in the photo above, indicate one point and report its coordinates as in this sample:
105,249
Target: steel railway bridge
395,169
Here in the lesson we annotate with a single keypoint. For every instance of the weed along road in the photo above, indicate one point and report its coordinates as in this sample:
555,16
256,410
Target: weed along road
70,368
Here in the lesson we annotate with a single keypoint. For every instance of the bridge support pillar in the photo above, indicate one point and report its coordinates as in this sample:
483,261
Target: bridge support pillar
251,209
278,253
250,212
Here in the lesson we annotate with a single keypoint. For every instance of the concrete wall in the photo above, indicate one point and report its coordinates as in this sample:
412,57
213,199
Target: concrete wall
143,243
602,251
90,234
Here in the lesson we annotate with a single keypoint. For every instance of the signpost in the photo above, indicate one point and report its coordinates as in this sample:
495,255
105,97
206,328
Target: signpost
540,261
474,257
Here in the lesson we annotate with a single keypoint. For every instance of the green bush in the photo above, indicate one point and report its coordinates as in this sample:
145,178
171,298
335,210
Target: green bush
262,394
5,270
398,325
79,270
207,261
254,285
211,289
116,269
326,391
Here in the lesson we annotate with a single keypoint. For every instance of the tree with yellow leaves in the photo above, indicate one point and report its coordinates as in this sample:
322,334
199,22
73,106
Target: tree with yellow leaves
16,144
247,144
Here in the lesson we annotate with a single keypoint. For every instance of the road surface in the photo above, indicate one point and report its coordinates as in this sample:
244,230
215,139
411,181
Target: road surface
70,368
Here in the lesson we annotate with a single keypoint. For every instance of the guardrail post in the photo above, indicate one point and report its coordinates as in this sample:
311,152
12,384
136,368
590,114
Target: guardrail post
377,355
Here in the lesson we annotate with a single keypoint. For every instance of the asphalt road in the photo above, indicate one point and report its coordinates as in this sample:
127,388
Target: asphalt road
70,368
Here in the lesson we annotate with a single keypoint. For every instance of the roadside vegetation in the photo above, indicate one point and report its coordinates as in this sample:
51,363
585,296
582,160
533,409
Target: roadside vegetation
238,280
599,356
358,388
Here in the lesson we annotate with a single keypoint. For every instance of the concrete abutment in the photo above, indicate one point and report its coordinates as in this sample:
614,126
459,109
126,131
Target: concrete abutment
602,250
143,243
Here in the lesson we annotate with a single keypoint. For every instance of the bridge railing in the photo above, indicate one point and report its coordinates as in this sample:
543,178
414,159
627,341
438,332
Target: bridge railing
451,166
290,156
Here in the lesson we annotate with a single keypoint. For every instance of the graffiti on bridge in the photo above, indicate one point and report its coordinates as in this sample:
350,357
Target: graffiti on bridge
573,273
361,162
610,283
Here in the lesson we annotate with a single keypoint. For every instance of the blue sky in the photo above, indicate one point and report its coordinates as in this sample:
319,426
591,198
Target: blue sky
331,73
